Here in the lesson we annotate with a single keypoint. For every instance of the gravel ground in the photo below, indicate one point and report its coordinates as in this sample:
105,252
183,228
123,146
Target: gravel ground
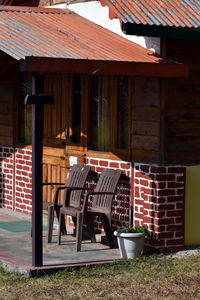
189,251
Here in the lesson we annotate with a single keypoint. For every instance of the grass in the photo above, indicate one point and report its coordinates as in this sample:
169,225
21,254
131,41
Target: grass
144,278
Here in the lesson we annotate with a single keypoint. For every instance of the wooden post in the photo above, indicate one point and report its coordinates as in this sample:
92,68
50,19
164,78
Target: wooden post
37,100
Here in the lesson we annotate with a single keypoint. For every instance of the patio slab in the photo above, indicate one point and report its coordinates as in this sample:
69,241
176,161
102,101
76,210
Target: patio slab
16,250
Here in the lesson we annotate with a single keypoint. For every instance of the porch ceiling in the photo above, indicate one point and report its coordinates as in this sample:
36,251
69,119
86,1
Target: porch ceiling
58,33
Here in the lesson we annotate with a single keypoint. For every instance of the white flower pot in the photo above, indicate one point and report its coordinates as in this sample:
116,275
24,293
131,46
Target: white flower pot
130,244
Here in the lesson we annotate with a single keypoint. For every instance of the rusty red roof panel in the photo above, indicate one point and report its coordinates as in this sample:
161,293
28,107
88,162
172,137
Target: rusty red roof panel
6,2
178,13
58,33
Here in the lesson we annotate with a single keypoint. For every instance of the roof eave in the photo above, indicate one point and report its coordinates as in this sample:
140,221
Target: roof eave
161,31
98,67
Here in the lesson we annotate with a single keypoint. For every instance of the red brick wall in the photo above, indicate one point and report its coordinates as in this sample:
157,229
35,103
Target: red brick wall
121,211
6,177
23,181
16,179
159,194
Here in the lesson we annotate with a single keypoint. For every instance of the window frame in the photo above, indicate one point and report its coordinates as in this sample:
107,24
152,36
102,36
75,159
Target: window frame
114,151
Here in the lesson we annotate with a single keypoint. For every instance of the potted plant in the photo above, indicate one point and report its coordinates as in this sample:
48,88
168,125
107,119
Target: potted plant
131,240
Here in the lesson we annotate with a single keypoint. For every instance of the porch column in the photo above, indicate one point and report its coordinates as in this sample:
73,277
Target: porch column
37,100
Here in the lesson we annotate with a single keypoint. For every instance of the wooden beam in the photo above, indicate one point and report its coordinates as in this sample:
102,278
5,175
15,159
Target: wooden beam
96,67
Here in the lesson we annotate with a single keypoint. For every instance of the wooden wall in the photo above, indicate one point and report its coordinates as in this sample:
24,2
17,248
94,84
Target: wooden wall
145,119
55,169
144,108
182,117
6,114
8,93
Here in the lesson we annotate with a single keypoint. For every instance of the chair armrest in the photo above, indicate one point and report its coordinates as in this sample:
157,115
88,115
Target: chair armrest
53,183
100,193
73,188
60,188
69,190
84,207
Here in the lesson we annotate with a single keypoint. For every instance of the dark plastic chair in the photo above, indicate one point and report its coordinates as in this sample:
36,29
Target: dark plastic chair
76,180
101,206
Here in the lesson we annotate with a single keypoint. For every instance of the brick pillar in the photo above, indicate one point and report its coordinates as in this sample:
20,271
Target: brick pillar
159,195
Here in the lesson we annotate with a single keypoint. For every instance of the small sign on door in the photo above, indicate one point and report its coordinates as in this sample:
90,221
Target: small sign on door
72,160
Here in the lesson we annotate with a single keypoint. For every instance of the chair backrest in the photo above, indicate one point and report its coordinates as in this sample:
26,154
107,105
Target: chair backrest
77,178
107,182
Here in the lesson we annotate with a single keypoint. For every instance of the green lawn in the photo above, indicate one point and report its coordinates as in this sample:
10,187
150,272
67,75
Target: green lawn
146,278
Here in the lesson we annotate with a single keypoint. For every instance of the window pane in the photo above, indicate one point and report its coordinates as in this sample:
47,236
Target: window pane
26,110
76,110
100,113
122,113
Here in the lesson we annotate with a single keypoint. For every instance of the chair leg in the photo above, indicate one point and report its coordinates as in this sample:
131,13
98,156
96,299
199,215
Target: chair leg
59,228
63,225
108,231
79,231
74,221
50,223
90,227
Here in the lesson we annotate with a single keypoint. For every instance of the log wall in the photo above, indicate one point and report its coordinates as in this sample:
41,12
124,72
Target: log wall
8,106
183,106
145,119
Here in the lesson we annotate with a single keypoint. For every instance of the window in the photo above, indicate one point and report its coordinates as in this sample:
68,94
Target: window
122,112
100,113
25,134
108,114
76,111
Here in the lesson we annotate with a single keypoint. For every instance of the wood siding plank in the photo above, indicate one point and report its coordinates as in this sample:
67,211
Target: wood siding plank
145,128
182,129
145,119
145,142
145,114
183,144
177,157
146,156
6,114
146,99
54,170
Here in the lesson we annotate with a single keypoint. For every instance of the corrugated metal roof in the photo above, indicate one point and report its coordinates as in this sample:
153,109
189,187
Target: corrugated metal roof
6,2
178,13
48,32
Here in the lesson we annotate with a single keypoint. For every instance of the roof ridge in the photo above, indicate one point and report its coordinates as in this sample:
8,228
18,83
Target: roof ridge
35,9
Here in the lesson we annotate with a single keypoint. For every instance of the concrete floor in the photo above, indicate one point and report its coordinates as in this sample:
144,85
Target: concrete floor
16,250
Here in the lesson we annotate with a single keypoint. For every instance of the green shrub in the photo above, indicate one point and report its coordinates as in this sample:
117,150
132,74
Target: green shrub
136,229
